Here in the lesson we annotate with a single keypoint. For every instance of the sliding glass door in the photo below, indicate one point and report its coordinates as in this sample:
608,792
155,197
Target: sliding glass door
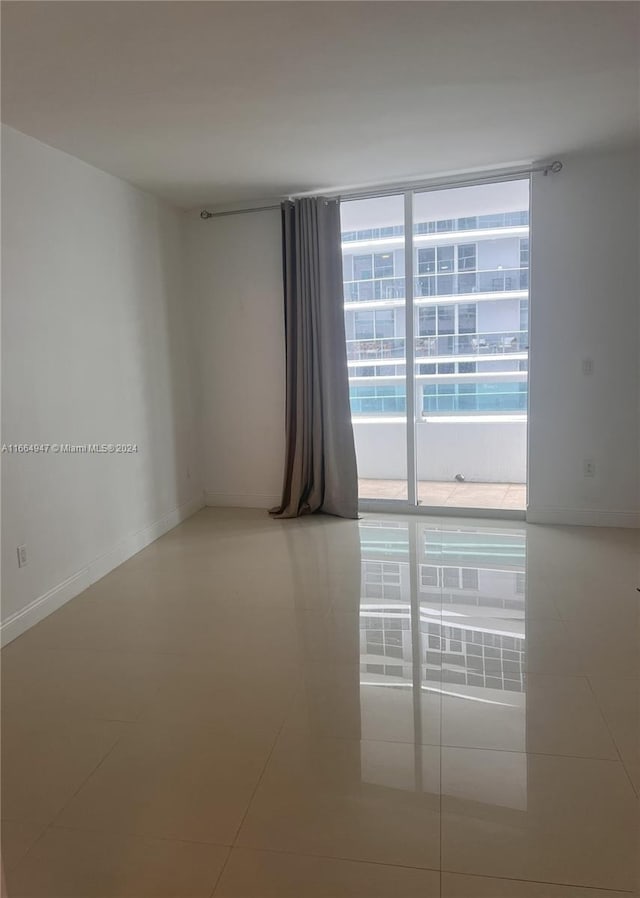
437,341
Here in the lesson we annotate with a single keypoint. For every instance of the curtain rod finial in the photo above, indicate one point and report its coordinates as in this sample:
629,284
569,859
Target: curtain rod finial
206,214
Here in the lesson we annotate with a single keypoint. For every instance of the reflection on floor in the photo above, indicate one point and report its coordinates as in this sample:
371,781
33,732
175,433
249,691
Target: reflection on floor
322,708
449,493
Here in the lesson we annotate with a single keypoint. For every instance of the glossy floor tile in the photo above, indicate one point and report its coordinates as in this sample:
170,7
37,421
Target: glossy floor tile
269,874
358,800
45,759
538,817
553,715
111,685
74,864
174,782
404,706
349,703
17,839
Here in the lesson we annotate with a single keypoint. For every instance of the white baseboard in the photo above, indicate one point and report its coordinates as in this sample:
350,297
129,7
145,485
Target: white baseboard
585,517
241,500
58,595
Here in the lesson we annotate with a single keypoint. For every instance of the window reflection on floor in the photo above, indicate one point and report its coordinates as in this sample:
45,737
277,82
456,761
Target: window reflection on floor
442,645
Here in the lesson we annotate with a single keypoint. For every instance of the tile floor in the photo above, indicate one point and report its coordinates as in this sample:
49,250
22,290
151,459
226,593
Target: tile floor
450,494
396,706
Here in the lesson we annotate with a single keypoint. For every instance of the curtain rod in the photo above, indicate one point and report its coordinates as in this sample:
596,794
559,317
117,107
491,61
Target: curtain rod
206,214
391,189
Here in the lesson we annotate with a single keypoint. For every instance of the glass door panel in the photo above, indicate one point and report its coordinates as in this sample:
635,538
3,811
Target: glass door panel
373,259
471,342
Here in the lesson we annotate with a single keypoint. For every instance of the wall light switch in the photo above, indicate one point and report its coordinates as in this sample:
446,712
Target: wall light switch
22,556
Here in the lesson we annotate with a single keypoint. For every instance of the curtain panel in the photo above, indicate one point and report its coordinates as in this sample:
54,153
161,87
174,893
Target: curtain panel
320,465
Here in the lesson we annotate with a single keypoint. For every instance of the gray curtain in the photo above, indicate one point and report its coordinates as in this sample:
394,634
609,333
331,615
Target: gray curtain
320,467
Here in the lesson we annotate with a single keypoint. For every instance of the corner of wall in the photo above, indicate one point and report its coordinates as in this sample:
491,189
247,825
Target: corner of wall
95,570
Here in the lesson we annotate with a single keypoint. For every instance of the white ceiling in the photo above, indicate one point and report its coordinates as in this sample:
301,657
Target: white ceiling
224,102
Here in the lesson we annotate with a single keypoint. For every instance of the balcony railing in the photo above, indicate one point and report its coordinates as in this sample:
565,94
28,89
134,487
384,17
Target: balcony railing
495,280
374,288
507,397
488,343
370,350
443,345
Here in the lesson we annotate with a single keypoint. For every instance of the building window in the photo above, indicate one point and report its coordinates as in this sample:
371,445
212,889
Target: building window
383,265
381,580
446,270
467,318
362,268
364,327
368,266
373,325
448,577
467,264
427,260
427,321
469,578
385,323
387,642
467,257
445,258
446,320
524,263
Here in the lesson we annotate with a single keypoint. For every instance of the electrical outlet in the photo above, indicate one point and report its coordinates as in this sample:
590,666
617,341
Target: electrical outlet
22,556
587,366
589,467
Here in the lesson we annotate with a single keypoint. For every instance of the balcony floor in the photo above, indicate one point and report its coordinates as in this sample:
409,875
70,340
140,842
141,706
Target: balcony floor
449,494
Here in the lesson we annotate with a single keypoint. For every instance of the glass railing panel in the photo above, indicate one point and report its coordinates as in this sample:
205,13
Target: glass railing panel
374,288
473,398
494,343
369,350
497,280
450,284
434,346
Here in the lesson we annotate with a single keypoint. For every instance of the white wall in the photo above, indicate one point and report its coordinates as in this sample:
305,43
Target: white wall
585,304
485,452
95,350
235,264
